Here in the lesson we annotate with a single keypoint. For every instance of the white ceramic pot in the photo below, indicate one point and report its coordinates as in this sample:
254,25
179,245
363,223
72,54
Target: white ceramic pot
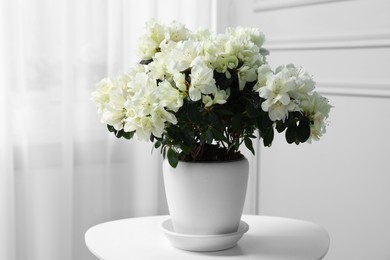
206,198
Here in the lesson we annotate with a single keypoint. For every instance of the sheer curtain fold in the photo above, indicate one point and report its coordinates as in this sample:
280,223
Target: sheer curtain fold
7,216
60,170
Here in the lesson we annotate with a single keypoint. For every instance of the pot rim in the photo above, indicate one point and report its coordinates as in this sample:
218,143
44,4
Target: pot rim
243,157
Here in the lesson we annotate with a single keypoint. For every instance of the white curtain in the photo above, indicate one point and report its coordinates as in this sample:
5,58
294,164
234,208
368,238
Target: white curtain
60,170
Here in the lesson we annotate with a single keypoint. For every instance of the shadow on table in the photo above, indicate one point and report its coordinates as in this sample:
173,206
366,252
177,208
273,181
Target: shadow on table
265,246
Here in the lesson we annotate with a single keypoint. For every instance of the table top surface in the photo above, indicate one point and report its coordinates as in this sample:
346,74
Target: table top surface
268,238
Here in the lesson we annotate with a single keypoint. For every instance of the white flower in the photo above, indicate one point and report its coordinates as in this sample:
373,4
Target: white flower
158,67
135,69
234,46
170,97
284,90
110,97
220,97
140,105
304,83
263,73
114,112
167,46
146,48
246,74
250,34
202,35
160,116
317,108
180,82
213,47
202,80
143,127
177,32
181,57
245,50
145,111
143,88
149,43
178,68
276,94
224,62
101,96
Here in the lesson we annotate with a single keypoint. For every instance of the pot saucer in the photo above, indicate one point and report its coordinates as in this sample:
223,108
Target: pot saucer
203,243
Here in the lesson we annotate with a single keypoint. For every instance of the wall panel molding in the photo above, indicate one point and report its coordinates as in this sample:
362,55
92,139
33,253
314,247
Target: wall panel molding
266,5
360,89
378,39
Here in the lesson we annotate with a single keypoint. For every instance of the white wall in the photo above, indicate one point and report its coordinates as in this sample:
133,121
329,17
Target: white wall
341,182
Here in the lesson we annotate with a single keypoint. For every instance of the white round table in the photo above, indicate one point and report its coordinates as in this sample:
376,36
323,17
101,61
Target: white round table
268,238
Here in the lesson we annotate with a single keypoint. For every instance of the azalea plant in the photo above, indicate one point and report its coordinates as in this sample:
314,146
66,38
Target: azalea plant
199,96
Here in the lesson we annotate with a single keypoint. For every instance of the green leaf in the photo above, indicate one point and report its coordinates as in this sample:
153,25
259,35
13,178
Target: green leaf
193,114
214,119
303,130
146,62
202,139
222,81
266,122
157,144
251,136
164,151
264,52
252,111
237,122
128,135
188,136
218,135
185,149
280,126
173,158
291,133
110,128
209,136
249,145
119,134
236,144
268,137
224,112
